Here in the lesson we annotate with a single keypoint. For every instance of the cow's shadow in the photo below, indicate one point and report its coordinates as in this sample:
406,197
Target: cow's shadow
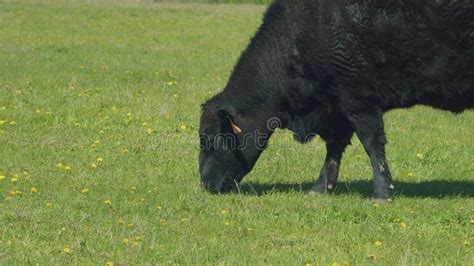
365,188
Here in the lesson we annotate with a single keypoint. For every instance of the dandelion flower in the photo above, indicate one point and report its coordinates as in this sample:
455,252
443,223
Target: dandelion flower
138,238
158,207
466,243
67,250
124,150
372,256
2,122
183,127
108,202
471,221
33,190
410,174
224,212
129,225
125,241
149,131
67,168
378,244
184,220
59,165
2,177
49,205
12,123
135,244
419,155
162,221
403,225
227,223
93,165
96,141
85,190
109,263
376,205
174,95
335,264
14,179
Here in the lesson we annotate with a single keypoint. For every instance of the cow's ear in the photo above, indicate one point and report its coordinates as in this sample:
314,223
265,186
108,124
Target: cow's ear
228,116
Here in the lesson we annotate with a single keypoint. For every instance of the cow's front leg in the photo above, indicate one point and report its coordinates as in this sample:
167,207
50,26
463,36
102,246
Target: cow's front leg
370,130
330,171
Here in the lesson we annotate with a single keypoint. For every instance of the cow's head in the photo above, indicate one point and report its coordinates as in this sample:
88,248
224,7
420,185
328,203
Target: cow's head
231,143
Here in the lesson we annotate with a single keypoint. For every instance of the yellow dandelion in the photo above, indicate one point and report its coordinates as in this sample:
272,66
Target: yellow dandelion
471,221
85,190
466,243
125,241
372,256
108,202
224,212
67,250
48,113
133,189
174,95
410,174
135,244
149,131
59,165
309,264
158,206
144,124
109,263
378,244
96,141
138,238
335,264
2,122
2,177
130,225
124,150
49,205
12,123
162,221
121,221
227,223
419,155
93,165
183,127
403,225
250,229
38,111
184,220
12,193
14,179
129,114
376,205
77,124
67,168
33,190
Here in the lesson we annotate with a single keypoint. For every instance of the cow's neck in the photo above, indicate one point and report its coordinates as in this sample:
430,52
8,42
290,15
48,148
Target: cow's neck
261,75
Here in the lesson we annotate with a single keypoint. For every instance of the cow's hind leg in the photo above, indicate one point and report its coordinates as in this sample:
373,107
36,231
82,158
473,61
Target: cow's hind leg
335,147
370,130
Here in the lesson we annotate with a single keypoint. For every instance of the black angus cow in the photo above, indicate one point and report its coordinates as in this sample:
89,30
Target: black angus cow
332,68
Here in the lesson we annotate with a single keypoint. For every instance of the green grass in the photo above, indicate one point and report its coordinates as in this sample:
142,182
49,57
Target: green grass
79,82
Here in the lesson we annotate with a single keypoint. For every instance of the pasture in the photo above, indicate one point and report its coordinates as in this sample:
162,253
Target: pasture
99,110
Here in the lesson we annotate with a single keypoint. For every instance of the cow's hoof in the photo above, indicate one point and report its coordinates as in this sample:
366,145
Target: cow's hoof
381,201
322,188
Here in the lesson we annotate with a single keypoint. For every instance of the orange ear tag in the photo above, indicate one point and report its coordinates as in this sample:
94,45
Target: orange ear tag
234,126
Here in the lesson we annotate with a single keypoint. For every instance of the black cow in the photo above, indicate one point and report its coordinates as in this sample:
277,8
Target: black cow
332,68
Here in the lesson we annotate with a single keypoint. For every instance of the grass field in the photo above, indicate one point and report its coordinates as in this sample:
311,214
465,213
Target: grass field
99,108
